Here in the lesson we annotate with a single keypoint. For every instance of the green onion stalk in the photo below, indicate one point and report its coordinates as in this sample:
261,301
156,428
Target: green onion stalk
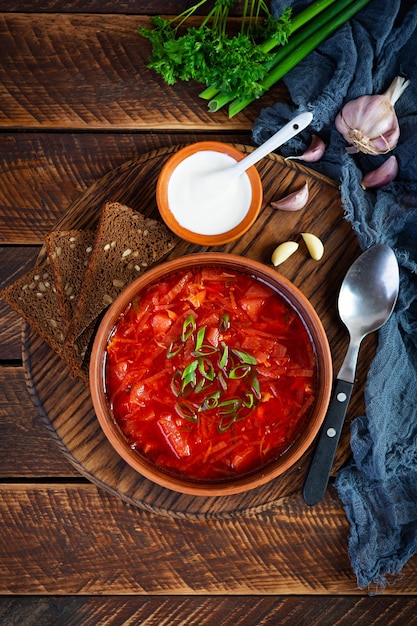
297,22
309,44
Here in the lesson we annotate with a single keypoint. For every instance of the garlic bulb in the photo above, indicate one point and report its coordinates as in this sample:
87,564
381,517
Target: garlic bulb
369,123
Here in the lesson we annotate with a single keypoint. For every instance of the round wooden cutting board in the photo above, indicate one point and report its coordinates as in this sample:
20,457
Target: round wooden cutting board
65,404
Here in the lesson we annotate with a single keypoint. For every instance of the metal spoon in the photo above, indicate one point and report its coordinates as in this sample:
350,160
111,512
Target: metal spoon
366,300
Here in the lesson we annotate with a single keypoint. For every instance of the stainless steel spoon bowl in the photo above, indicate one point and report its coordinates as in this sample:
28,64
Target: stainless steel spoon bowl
366,300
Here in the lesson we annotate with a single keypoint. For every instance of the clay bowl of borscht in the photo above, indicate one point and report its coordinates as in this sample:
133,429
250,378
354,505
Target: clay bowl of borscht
211,374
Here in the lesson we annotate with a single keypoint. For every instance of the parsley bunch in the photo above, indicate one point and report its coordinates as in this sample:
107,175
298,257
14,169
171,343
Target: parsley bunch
238,69
208,54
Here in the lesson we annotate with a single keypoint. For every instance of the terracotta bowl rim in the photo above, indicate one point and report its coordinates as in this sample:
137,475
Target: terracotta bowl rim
239,484
162,194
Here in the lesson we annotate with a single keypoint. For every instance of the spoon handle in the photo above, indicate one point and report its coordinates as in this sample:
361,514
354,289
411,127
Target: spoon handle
321,463
287,132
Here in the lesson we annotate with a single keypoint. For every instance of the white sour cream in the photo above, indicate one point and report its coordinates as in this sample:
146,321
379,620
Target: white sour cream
208,209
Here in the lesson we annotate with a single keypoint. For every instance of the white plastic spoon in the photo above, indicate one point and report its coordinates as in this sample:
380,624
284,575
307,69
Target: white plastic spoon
215,182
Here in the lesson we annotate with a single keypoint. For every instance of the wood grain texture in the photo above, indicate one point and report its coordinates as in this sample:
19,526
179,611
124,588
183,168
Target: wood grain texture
66,405
42,174
132,7
79,540
27,451
208,610
128,7
80,72
71,550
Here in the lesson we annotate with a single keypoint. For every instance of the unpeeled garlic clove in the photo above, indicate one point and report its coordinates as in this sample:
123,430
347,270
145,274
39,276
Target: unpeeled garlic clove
313,153
283,252
293,201
382,175
314,245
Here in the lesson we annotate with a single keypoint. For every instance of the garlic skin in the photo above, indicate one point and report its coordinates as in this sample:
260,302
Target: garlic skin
382,175
313,153
369,123
293,201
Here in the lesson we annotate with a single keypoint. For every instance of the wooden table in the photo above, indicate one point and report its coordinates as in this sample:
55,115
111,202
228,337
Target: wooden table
77,102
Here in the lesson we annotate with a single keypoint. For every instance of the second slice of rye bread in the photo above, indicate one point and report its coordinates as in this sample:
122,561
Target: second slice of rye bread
68,253
126,244
33,296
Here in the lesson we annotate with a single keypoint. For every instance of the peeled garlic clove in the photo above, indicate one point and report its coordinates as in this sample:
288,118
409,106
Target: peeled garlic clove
313,153
294,201
370,123
314,245
283,252
382,175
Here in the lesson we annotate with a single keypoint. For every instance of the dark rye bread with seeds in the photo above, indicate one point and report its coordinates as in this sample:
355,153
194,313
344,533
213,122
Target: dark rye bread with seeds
126,244
68,253
33,297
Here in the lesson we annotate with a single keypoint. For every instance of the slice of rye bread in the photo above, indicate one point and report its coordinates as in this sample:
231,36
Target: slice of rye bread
126,244
68,253
33,297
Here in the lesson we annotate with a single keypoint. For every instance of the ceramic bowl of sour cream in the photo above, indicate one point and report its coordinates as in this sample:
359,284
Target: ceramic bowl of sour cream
199,203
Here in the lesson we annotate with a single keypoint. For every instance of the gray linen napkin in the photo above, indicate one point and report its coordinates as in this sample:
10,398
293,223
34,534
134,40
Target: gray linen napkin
378,488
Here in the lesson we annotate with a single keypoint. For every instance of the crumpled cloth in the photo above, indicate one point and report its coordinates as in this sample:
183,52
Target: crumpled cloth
378,488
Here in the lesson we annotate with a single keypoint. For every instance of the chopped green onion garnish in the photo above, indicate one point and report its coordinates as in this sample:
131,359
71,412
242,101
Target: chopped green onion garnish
204,350
188,328
200,338
249,402
224,323
206,369
225,357
211,402
240,371
174,348
245,357
256,388
186,411
176,384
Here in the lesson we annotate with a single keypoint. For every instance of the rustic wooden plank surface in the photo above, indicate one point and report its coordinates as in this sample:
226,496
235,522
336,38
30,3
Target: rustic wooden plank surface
75,71
60,534
70,548
128,7
42,174
27,451
208,610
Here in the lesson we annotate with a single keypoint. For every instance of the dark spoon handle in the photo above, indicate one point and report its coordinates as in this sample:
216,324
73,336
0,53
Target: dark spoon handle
321,463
